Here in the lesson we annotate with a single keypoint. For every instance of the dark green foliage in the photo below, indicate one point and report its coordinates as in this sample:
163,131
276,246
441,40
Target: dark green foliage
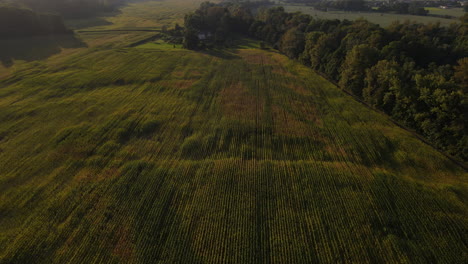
20,22
415,9
292,42
353,69
35,48
381,80
213,23
461,73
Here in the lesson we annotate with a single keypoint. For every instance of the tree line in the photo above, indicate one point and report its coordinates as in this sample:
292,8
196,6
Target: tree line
416,73
20,22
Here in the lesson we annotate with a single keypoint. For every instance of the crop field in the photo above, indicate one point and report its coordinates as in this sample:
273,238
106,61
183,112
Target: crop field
455,12
383,19
160,45
118,154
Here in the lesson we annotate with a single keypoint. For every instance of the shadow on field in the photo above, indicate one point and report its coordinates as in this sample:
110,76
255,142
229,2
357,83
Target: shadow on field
92,21
221,53
87,23
35,48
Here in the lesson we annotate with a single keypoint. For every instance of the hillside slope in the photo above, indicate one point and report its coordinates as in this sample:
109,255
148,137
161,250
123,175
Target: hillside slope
114,154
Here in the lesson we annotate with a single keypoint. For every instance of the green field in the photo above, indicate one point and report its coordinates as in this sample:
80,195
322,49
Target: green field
119,154
383,19
455,12
160,45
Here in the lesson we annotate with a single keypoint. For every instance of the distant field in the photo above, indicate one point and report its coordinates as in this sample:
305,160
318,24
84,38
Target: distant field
383,19
141,15
455,12
119,154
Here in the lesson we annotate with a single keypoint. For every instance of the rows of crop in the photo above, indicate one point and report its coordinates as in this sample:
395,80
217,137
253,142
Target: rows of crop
150,171
418,226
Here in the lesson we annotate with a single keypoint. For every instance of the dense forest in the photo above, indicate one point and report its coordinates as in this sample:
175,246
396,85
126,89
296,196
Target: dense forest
416,73
71,8
18,22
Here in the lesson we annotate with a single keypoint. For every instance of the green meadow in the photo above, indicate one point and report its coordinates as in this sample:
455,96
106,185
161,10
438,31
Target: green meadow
111,153
455,12
160,45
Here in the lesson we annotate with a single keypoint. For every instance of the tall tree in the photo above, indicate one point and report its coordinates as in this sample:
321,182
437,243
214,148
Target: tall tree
381,79
292,42
353,69
461,73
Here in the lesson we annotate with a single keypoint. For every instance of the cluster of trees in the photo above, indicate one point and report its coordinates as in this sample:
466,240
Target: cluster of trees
173,35
215,22
18,22
71,8
415,73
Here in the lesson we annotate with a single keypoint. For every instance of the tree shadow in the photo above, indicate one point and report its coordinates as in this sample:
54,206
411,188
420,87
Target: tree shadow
35,48
91,21
242,42
77,24
226,54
